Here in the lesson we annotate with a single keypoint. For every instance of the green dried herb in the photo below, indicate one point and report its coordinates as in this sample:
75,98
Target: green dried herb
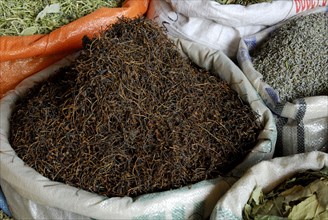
21,17
241,2
293,60
303,196
3,216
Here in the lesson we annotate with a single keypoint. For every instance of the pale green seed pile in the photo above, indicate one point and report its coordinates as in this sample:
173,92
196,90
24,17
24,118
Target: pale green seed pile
294,59
20,17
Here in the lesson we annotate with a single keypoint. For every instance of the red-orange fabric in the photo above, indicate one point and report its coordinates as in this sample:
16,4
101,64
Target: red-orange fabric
22,56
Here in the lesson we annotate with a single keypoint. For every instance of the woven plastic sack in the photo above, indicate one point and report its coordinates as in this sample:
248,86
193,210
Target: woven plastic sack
22,56
221,26
302,125
267,175
3,204
31,195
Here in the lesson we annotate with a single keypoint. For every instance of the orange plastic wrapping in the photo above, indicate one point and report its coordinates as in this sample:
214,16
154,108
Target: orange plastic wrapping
22,56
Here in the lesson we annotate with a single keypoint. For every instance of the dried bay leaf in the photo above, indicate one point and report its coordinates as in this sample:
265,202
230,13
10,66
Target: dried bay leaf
247,211
303,196
307,209
324,171
269,217
322,193
257,195
290,193
297,193
323,215
270,207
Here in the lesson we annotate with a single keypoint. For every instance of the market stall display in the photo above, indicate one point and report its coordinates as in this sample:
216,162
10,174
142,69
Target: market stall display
106,114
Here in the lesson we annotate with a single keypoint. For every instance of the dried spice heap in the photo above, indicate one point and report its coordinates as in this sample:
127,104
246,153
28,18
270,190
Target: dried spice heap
132,116
294,59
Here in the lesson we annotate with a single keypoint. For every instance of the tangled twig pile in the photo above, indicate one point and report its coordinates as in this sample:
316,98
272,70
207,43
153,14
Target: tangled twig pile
132,116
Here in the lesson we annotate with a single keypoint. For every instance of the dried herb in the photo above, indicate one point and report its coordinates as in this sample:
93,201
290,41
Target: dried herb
304,196
241,2
132,116
27,17
4,216
294,59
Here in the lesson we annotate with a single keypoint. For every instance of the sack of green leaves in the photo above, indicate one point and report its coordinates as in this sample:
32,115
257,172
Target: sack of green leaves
219,24
287,65
118,134
290,187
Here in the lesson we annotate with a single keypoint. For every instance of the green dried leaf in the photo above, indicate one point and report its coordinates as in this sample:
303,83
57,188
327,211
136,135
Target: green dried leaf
270,207
292,191
29,31
257,195
3,216
296,193
307,209
301,196
247,212
321,189
269,217
323,215
324,171
53,8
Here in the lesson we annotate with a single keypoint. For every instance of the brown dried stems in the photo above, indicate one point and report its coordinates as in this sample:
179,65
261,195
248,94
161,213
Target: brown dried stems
131,116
